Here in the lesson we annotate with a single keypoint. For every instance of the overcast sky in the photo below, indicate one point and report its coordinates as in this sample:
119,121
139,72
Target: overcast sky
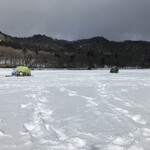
76,19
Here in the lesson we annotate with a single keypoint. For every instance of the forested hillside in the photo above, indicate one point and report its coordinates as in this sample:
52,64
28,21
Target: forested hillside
45,52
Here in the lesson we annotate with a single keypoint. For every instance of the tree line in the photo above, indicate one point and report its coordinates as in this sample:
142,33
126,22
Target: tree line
44,52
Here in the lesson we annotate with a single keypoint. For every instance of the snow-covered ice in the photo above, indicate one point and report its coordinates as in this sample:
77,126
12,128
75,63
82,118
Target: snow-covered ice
75,110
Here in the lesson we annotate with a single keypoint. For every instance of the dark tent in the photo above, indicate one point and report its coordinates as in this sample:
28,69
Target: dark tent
114,69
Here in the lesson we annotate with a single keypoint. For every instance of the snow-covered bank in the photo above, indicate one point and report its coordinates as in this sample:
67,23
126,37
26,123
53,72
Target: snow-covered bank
75,110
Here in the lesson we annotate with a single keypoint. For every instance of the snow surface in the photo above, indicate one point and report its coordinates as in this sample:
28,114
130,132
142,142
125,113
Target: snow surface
75,110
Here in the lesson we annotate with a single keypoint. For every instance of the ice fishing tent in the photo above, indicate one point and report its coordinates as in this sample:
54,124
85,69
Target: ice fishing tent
114,69
21,71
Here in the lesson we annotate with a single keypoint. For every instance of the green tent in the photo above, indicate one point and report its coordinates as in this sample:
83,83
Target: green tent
114,69
21,71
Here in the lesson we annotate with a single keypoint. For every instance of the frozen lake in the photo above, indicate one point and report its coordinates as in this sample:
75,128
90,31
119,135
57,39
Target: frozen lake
75,110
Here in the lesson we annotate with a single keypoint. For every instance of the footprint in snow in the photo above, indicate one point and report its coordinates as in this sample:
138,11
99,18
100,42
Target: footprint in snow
2,134
127,104
88,98
33,129
26,105
91,103
47,91
124,90
121,141
43,99
31,96
77,142
138,119
135,148
2,122
145,132
118,99
62,89
72,93
124,111
114,147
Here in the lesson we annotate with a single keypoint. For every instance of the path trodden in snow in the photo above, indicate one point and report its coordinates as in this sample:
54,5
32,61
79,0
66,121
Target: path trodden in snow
75,110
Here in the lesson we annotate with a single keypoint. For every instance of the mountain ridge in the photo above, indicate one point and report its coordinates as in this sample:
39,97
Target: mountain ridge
93,52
